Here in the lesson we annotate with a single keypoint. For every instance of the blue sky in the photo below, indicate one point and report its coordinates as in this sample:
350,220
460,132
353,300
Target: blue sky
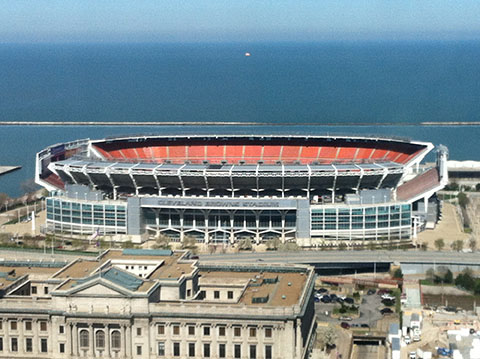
236,20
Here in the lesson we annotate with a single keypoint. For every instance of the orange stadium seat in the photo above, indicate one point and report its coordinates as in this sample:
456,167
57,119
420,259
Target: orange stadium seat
364,154
271,154
328,153
177,154
104,153
308,154
234,153
347,153
290,153
253,154
159,153
196,154
378,154
215,154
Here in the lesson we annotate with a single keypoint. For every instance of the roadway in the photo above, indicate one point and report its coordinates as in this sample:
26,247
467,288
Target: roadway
335,256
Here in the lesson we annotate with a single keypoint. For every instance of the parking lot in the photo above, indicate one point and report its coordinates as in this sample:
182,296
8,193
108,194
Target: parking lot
369,311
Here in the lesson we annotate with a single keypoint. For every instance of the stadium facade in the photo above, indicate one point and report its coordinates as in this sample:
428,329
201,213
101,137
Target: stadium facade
220,189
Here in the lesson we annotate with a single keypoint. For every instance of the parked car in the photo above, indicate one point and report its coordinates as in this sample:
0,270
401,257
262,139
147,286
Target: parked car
365,325
407,339
316,299
386,311
371,291
349,300
325,299
345,325
412,355
345,318
322,290
388,302
339,300
333,296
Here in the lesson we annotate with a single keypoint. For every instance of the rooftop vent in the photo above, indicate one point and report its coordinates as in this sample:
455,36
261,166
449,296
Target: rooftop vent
289,284
284,296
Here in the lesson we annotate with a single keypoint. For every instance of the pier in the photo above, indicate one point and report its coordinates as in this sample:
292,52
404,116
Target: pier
7,169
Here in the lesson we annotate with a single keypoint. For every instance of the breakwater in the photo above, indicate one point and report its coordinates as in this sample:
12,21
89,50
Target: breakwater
234,123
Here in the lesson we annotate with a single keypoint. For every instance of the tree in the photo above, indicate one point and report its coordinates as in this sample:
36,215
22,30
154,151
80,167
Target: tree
3,200
439,244
326,337
477,187
162,242
342,246
127,244
371,246
457,245
245,243
430,274
398,273
273,244
463,200
472,244
448,278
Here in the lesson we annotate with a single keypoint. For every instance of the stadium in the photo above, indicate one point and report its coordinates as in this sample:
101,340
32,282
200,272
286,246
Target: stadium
314,190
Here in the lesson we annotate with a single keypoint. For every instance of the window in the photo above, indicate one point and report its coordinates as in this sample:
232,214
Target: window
252,332
139,350
161,329
206,330
28,325
1,344
216,294
84,342
139,331
34,289
161,349
100,339
176,330
14,344
176,349
206,350
43,345
62,348
43,326
1,324
268,352
237,351
13,325
237,331
28,345
191,330
116,340
221,350
230,294
191,349
61,329
45,290
221,331
253,351
268,332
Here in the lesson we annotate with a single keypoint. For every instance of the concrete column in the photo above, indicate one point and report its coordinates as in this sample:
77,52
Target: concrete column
21,343
123,344
107,341
128,341
74,339
91,349
68,344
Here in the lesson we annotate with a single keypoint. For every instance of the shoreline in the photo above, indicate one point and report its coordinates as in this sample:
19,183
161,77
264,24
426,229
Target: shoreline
236,123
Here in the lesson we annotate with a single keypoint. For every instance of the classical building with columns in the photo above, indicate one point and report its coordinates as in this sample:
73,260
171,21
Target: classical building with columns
154,304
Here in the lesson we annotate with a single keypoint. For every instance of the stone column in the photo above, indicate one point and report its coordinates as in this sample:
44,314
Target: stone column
128,341
123,343
74,339
68,349
6,328
107,341
91,349
21,340
35,339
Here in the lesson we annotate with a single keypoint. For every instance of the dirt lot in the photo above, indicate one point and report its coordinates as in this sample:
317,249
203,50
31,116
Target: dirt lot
449,228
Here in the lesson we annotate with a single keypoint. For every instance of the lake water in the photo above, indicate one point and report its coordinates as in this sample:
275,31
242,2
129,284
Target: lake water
339,83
